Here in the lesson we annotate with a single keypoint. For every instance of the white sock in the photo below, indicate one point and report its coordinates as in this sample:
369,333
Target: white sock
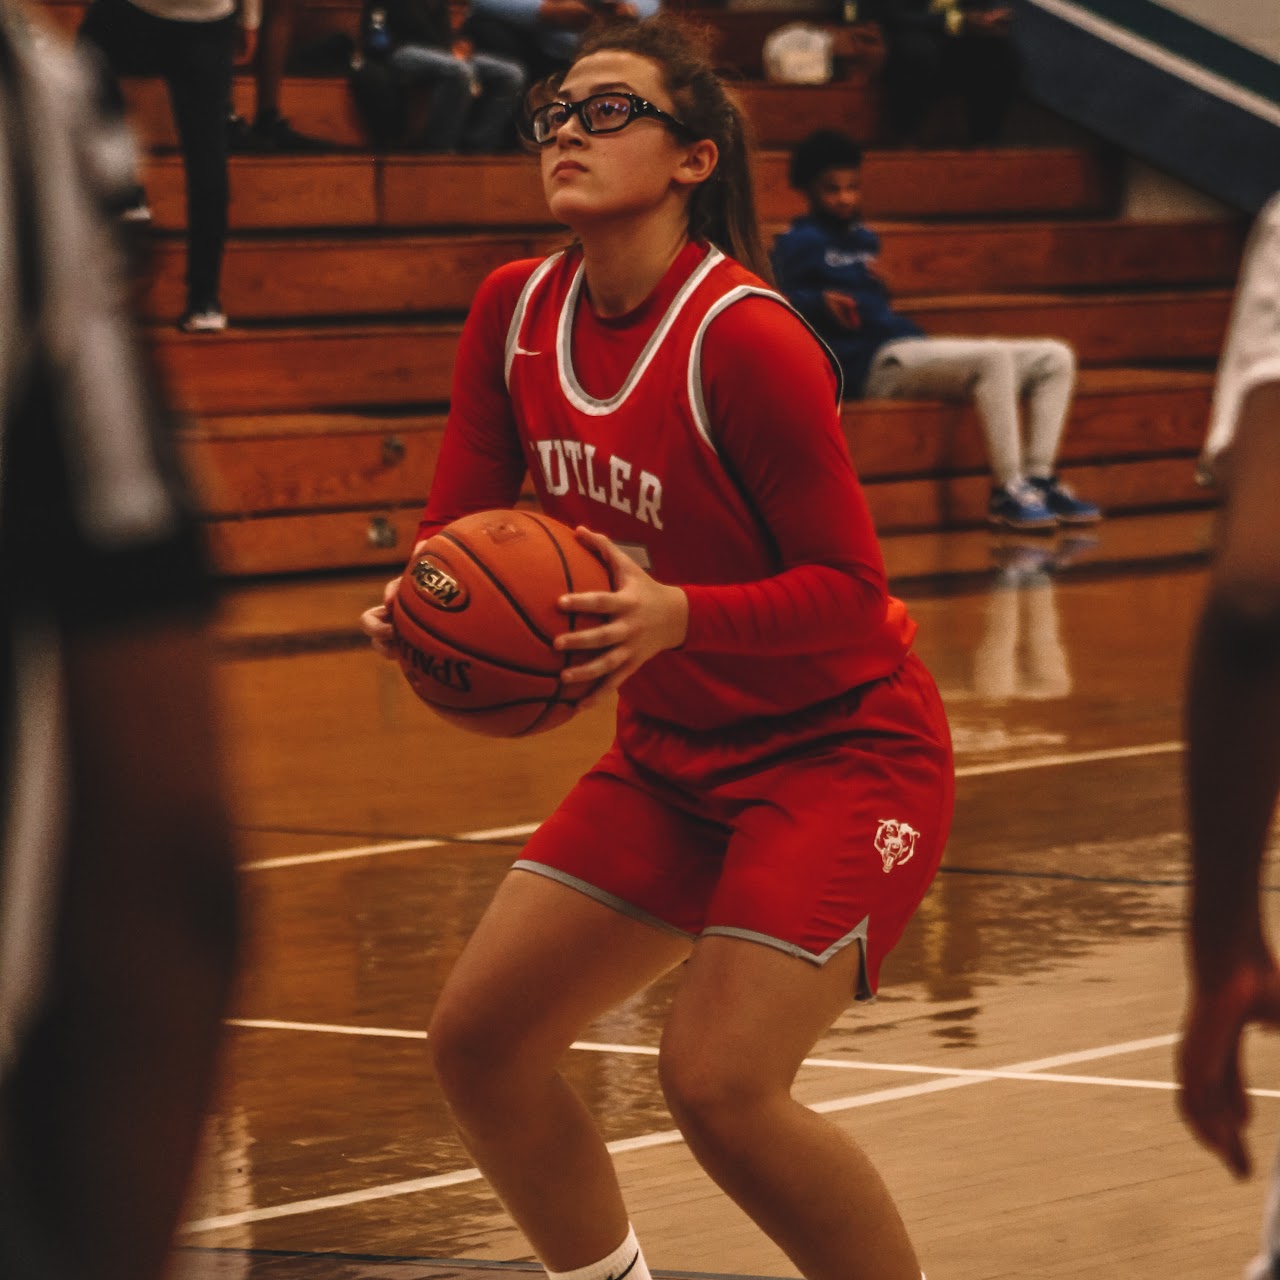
626,1260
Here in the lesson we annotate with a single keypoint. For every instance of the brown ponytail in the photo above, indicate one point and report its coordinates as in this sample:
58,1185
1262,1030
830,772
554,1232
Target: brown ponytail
723,208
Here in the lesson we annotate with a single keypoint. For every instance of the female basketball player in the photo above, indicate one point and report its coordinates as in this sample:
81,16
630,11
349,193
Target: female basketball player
777,799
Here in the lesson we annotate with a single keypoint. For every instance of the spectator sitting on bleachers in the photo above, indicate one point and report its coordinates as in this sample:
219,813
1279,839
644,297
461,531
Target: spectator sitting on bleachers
824,264
542,35
473,95
937,48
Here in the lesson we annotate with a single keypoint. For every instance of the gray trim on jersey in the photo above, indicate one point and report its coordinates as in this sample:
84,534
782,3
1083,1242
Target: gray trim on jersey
697,401
569,383
605,899
517,318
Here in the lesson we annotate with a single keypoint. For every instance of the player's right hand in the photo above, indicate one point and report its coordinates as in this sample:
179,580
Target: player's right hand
376,622
1214,1100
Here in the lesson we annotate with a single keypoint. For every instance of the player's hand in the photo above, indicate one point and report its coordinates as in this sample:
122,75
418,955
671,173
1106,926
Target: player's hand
376,622
246,45
644,617
842,309
1213,1098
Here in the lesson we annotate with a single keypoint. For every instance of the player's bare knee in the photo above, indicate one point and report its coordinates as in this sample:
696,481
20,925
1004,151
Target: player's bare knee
709,1094
469,1053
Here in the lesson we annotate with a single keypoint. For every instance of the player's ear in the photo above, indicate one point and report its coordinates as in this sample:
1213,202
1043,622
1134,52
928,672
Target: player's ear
698,163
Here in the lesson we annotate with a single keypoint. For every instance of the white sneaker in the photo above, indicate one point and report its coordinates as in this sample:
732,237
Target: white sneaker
207,320
136,213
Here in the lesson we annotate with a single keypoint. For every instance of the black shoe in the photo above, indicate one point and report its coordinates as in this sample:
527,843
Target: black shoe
274,133
240,137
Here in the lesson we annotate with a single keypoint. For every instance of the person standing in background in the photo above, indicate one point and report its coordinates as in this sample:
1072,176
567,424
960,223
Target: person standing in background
193,44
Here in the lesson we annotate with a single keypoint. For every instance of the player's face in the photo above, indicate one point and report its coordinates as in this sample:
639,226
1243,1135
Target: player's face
838,193
590,178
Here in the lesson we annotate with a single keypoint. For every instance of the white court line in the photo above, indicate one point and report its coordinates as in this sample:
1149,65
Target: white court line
670,1137
1080,757
528,828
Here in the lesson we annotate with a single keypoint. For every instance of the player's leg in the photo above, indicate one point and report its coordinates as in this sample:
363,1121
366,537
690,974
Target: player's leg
543,963
745,1018
570,934
831,854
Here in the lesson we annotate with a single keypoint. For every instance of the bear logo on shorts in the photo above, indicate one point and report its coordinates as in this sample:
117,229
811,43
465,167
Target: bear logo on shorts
895,843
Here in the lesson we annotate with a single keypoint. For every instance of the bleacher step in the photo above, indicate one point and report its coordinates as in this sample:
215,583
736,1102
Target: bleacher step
299,276
298,492
298,192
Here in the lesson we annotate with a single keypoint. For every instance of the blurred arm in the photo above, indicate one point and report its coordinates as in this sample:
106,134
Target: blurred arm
1234,702
109,1095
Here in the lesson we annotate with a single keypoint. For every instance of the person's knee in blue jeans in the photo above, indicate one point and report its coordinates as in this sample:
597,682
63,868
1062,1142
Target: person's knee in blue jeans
471,98
502,82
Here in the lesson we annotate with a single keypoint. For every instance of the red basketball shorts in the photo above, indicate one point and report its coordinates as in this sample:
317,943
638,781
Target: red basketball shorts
805,833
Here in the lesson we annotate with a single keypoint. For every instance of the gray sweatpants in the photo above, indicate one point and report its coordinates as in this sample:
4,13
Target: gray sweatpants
997,374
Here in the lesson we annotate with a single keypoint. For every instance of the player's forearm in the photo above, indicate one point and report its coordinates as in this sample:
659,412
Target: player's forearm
1233,777
797,612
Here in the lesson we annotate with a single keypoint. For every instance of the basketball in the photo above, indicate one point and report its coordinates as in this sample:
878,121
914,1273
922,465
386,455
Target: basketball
475,618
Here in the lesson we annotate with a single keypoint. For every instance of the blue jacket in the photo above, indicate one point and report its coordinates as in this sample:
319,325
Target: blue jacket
814,255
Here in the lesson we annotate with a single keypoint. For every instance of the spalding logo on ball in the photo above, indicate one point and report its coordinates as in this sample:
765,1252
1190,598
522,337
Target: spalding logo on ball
475,619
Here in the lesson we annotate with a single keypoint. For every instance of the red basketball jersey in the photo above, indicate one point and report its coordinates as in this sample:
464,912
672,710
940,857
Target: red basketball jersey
643,467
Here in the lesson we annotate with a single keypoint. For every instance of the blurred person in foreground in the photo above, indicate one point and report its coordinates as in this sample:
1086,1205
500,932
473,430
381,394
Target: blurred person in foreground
1233,728
118,918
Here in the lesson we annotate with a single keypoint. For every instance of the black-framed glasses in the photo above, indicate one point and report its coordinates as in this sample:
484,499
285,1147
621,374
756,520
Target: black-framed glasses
600,113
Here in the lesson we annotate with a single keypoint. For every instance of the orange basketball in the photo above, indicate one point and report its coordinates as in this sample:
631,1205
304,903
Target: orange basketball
476,614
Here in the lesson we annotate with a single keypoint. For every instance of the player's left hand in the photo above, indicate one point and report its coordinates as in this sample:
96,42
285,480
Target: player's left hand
1214,1100
644,617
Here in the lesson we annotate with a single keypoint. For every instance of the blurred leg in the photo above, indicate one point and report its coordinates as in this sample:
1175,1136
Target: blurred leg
957,369
451,82
1045,370
503,81
199,80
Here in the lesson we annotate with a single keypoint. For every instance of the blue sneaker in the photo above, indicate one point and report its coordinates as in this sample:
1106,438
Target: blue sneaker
1020,506
1063,503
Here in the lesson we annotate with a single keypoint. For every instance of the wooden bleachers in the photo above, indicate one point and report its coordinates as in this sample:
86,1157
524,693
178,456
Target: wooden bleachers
312,426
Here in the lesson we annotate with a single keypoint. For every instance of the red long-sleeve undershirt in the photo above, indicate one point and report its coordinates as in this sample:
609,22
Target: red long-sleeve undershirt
770,395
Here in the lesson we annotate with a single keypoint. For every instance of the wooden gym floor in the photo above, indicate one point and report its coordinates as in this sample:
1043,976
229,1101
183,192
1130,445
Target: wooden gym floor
1013,1081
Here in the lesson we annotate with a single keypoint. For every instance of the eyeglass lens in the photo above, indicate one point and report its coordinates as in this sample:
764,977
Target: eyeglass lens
602,113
